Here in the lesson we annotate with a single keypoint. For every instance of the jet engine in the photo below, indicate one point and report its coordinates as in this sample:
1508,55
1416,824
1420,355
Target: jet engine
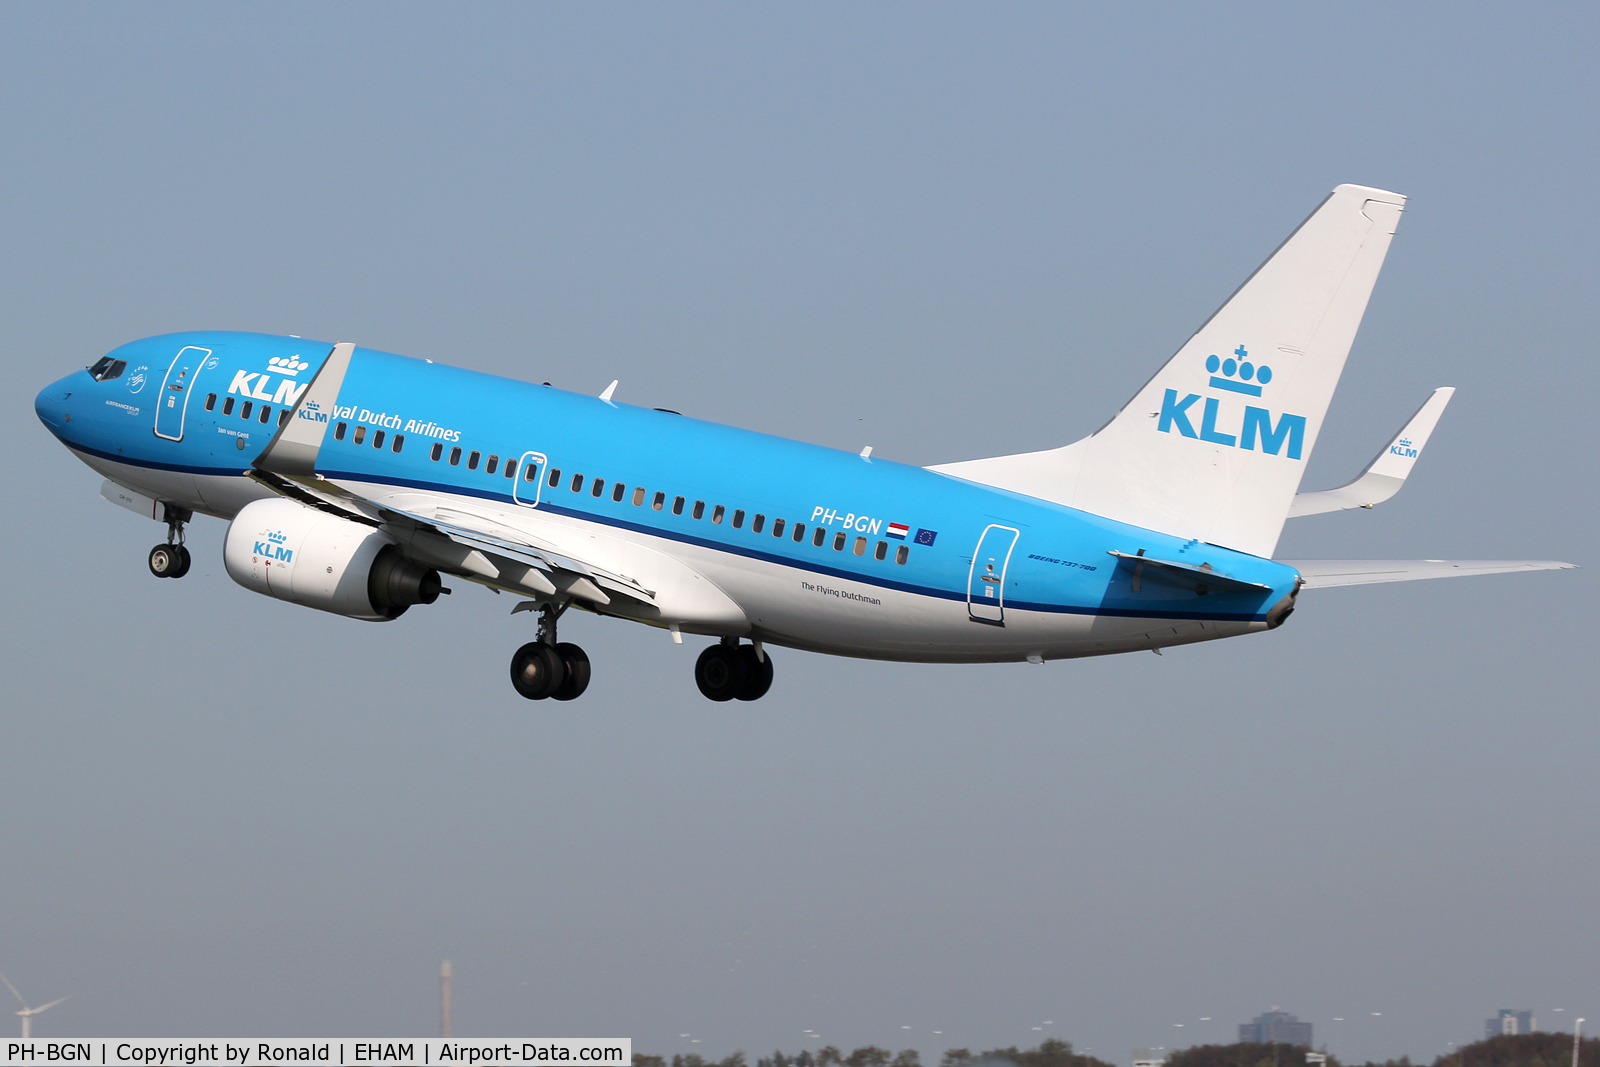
296,553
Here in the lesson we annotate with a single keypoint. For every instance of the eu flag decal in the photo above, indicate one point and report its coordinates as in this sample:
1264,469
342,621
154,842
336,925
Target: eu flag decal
925,537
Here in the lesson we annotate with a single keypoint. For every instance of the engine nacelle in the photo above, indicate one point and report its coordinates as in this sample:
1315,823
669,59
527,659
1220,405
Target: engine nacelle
295,553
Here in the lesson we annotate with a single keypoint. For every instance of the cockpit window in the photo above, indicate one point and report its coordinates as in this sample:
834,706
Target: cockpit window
106,368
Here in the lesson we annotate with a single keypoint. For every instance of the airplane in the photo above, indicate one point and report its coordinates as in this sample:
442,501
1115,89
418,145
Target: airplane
354,481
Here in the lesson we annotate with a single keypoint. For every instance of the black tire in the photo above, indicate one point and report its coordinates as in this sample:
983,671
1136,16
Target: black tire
720,672
576,660
758,673
184,560
537,671
165,560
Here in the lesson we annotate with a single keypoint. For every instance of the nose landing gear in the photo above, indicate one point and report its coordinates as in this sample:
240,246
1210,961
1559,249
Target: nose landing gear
546,668
731,671
171,560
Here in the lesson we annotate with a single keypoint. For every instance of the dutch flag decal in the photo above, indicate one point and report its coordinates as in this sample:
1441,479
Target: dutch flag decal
899,530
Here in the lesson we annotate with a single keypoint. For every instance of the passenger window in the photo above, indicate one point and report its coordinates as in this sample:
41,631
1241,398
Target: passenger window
838,541
677,505
818,536
861,546
901,553
555,477
530,473
377,439
472,459
399,439
266,413
756,523
617,492
211,401
699,508
881,551
283,416
598,487
511,468
361,435
738,519
638,496
777,527
661,498
438,449
799,532
250,405
227,409
577,482
716,514
338,431
455,454
493,464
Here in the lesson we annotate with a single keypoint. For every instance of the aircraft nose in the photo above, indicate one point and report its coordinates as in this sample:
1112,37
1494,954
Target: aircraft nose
51,407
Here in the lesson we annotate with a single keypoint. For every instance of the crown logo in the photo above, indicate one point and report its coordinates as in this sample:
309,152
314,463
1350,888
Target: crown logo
289,366
278,538
1404,442
1243,368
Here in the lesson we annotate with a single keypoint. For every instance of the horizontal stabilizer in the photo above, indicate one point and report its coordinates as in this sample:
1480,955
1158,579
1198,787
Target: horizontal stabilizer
1326,573
1387,473
1201,579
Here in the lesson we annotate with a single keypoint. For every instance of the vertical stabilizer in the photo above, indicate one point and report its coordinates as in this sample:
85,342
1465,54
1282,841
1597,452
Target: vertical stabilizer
1214,445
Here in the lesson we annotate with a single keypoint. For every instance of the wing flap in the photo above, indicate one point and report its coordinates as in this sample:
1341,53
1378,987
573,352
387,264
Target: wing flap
1327,573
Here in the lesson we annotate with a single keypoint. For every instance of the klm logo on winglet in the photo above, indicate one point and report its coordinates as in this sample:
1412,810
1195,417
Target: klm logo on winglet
1403,449
312,412
1237,376
272,548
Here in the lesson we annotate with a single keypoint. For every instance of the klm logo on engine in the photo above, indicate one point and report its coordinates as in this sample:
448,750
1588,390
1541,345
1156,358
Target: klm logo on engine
1240,376
272,548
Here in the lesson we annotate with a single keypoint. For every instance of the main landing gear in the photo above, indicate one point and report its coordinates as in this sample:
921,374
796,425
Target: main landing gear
547,668
171,560
731,671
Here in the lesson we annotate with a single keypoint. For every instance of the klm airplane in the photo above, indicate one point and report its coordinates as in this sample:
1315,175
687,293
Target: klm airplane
354,481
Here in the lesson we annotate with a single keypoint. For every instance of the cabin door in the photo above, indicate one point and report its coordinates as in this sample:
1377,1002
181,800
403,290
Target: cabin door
529,479
183,378
986,581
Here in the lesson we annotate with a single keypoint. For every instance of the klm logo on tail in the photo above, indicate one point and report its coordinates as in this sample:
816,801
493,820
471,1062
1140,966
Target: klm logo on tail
1243,377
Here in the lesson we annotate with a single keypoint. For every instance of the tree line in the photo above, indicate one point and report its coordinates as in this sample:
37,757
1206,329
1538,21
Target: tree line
1551,1049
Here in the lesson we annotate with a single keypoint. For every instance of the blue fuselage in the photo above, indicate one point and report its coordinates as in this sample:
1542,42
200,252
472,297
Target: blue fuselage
980,573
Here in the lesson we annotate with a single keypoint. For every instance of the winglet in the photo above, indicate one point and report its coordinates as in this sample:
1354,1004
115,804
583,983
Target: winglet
609,390
292,452
1387,473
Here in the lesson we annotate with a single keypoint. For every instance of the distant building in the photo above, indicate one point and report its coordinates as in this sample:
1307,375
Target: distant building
1511,1021
1143,1057
1275,1027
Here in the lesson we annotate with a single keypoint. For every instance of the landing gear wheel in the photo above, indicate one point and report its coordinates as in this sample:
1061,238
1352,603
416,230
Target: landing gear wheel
166,561
576,661
759,673
537,671
184,560
721,672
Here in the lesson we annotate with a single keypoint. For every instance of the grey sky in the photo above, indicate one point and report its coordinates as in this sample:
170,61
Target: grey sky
945,232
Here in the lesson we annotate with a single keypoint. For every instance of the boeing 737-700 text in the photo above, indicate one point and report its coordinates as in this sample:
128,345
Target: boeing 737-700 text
354,479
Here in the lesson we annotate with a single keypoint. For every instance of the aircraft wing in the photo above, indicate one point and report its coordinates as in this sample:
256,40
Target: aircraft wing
1326,573
1385,474
480,547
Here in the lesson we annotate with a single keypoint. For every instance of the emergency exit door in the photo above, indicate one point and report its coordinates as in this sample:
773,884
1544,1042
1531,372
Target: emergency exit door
183,376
